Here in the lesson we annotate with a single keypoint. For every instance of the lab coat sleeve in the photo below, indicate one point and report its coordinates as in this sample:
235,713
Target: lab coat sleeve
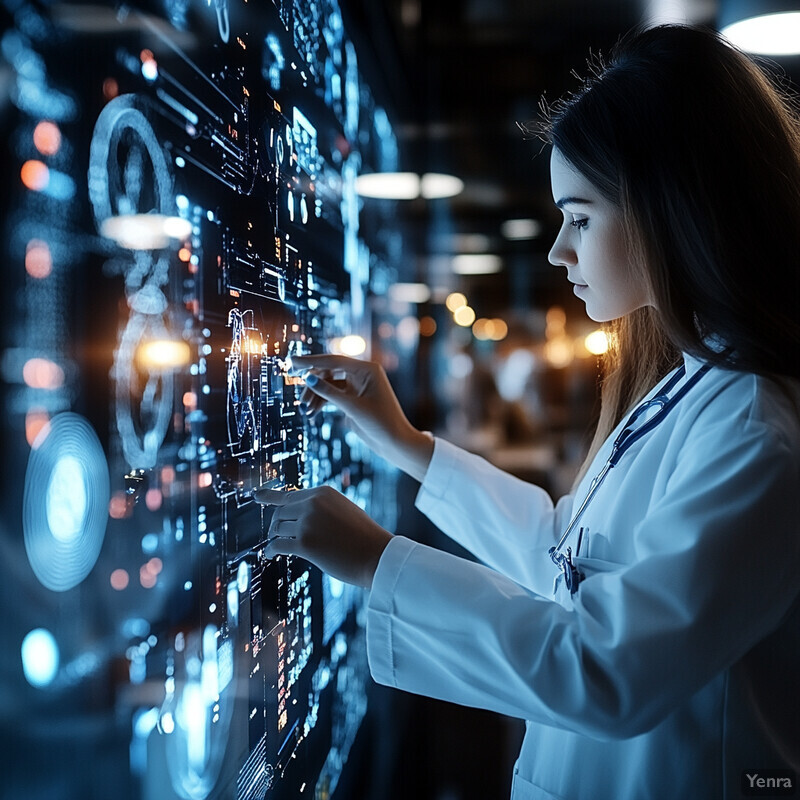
718,566
505,522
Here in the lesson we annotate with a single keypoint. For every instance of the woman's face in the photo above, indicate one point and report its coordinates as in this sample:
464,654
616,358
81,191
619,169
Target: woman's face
591,245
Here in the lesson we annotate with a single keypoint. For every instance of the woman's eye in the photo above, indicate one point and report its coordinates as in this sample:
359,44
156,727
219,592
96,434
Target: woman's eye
579,223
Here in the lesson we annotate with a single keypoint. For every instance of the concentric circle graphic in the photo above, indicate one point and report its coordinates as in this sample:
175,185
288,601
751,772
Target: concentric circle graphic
65,505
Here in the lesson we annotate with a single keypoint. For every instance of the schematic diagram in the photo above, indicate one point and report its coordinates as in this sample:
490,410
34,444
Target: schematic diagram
198,227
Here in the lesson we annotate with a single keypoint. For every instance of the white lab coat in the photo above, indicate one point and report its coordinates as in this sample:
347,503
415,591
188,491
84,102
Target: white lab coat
675,667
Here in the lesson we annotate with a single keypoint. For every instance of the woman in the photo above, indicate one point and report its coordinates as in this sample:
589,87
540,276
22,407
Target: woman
653,648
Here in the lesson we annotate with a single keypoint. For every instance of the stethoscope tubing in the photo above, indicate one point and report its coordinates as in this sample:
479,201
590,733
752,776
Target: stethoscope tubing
628,437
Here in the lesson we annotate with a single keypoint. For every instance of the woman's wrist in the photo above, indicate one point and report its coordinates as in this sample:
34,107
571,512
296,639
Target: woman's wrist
412,452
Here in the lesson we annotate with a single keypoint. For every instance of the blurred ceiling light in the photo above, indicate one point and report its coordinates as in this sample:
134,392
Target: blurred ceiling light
464,316
455,300
388,185
500,330
408,185
410,292
555,321
767,28
521,228
479,329
145,231
559,352
436,186
490,329
596,343
163,354
476,264
470,242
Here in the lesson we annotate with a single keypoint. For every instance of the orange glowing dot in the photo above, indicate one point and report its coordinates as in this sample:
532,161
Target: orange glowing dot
38,260
234,293
110,88
427,326
204,480
193,268
184,254
47,138
39,373
153,499
167,474
118,505
154,565
119,579
146,55
295,328
36,420
35,175
190,400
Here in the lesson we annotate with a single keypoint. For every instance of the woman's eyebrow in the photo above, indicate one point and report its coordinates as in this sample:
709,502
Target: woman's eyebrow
573,201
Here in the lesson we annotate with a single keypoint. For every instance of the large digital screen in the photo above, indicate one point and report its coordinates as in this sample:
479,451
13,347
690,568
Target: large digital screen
180,219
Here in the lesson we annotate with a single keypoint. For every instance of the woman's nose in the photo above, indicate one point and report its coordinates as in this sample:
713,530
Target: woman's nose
561,254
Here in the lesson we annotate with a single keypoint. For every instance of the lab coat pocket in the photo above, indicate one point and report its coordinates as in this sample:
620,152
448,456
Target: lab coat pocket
522,789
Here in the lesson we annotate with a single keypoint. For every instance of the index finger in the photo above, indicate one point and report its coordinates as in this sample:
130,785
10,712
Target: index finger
274,497
325,361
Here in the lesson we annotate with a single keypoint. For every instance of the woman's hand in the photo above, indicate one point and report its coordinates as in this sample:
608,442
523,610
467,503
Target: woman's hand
324,527
362,391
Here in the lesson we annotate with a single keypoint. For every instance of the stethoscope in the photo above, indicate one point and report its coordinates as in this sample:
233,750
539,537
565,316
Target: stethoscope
627,437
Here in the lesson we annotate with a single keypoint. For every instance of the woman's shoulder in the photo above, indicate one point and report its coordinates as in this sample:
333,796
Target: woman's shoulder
745,401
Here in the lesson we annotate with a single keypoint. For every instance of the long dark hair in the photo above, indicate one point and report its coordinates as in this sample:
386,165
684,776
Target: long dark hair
700,149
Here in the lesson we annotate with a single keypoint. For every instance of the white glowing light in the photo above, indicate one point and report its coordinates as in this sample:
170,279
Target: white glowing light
352,345
40,658
66,499
388,185
144,231
520,229
596,343
464,316
410,292
476,264
769,34
435,186
164,354
455,300
167,723
177,227
150,69
233,603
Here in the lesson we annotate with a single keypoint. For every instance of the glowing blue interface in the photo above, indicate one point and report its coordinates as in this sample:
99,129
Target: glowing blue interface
180,219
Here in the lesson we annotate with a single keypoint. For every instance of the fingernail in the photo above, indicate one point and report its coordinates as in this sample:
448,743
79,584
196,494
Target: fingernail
311,379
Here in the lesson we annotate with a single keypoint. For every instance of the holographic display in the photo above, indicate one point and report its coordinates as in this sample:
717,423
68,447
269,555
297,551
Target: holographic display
182,220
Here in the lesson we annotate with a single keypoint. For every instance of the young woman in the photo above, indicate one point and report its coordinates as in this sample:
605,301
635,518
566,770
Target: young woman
647,626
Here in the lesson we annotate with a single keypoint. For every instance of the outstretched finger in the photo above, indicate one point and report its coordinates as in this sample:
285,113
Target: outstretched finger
276,497
327,361
281,546
327,389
